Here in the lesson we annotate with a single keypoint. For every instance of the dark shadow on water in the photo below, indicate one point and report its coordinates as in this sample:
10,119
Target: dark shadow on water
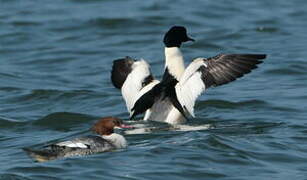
63,121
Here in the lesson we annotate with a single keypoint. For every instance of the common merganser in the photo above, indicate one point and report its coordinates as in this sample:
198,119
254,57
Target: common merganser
106,140
174,97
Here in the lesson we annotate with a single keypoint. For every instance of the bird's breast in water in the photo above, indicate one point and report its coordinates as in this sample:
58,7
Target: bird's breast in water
164,111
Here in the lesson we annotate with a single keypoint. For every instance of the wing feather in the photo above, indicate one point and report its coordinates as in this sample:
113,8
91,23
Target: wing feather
131,77
225,68
203,73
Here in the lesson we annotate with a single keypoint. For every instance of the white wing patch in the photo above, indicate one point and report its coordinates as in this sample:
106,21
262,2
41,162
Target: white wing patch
72,144
133,83
190,86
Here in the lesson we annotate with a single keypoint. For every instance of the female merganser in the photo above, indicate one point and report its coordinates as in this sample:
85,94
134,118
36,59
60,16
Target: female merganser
106,141
172,98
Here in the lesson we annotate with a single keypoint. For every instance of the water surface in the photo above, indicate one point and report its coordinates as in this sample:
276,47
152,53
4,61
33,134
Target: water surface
55,62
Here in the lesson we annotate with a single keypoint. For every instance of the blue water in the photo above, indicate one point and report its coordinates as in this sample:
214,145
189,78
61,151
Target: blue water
55,62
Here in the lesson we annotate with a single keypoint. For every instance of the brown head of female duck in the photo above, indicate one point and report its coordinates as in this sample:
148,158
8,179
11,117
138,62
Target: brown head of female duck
105,128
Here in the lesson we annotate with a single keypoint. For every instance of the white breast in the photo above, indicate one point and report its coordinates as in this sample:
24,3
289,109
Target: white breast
174,61
164,111
117,140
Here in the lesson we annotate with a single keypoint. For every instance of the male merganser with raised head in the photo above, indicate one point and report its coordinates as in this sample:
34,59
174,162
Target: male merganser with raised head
106,140
171,99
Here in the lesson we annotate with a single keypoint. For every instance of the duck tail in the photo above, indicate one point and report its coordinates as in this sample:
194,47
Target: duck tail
40,155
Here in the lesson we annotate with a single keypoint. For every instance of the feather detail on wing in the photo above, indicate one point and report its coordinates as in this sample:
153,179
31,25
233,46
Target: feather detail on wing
225,68
131,77
72,144
203,73
190,86
86,142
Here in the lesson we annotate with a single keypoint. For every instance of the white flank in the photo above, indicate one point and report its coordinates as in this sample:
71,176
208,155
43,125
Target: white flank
139,131
160,110
147,115
174,117
164,111
192,128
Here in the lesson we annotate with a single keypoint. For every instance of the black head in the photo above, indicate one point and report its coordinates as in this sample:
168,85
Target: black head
175,36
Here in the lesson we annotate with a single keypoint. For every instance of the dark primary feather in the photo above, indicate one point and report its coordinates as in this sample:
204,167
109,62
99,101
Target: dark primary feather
224,68
169,82
146,100
147,80
120,70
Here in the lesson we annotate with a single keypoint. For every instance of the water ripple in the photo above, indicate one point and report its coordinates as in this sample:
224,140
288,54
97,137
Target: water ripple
62,121
56,58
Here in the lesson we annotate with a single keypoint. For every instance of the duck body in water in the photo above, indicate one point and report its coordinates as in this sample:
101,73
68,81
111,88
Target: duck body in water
106,140
172,99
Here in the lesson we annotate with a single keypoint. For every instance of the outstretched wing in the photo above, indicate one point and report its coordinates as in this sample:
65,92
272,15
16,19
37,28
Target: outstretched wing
203,73
131,77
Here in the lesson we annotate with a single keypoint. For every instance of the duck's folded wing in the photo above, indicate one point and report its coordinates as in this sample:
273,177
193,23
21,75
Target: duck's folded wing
80,142
86,142
131,77
73,144
203,73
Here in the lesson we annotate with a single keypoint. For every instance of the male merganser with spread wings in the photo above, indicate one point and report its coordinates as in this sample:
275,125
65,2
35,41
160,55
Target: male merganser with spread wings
106,140
170,99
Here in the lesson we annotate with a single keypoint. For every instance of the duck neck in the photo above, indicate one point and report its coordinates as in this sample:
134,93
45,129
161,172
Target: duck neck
174,62
116,139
